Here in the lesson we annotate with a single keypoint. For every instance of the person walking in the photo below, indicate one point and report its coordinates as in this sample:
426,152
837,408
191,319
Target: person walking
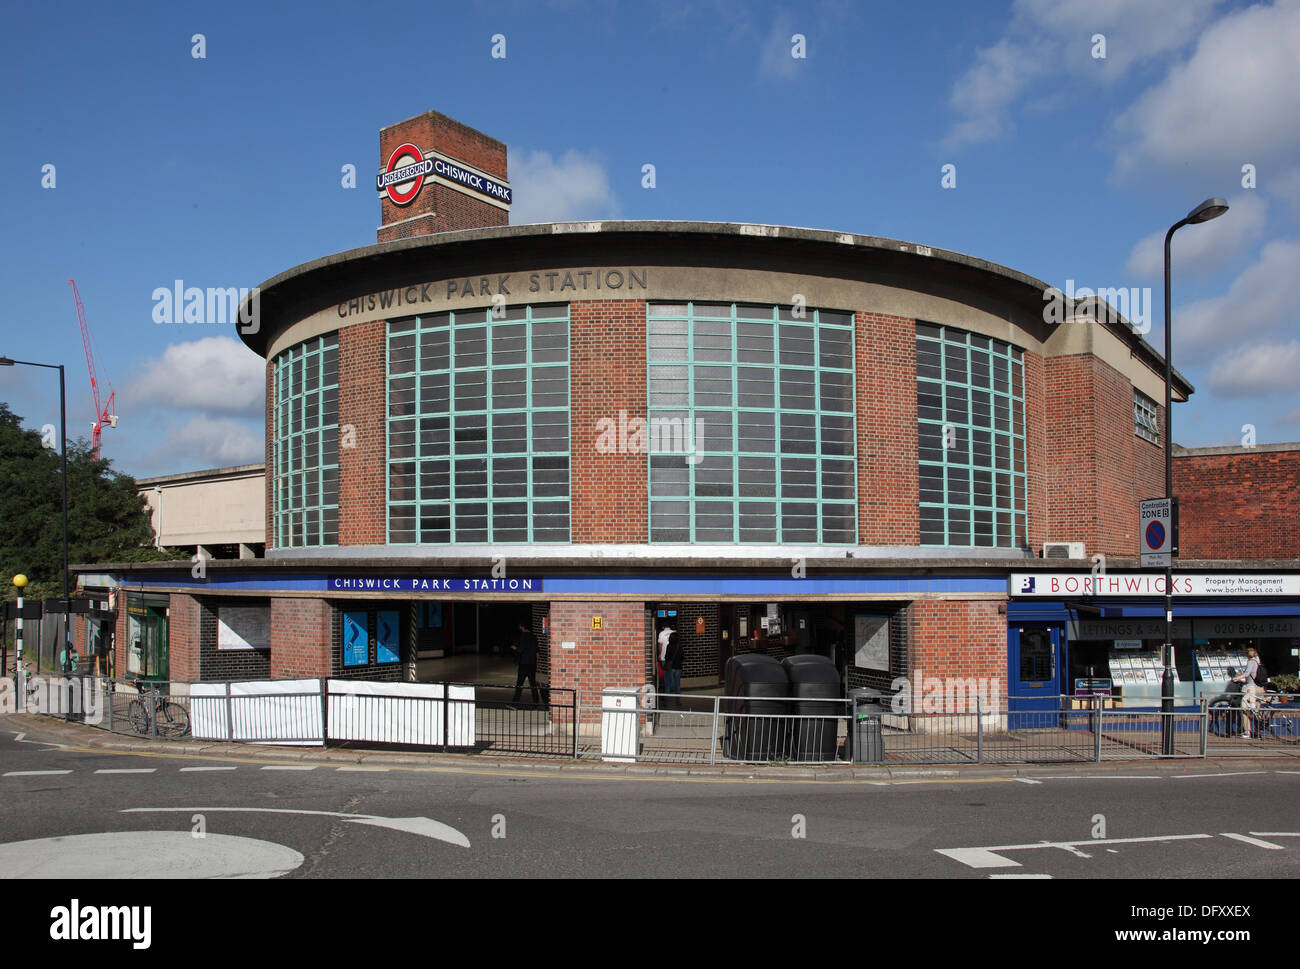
526,657
673,666
1250,691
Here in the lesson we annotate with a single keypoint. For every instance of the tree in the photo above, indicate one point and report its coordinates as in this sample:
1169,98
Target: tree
108,520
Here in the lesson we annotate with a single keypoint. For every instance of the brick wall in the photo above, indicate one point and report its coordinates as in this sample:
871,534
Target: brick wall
959,638
888,489
439,208
183,638
228,664
1240,505
363,498
613,656
269,473
1097,469
607,373
701,651
300,637
1036,450
119,638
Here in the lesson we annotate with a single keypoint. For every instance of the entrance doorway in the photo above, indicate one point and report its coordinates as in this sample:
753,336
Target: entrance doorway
1035,659
469,642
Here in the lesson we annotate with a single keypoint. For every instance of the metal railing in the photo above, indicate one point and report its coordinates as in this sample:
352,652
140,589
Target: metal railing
639,725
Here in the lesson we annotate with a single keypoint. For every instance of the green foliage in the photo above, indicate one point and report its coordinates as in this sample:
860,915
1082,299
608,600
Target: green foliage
108,520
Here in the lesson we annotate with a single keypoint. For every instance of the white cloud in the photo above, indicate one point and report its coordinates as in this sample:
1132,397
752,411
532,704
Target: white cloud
572,187
1262,299
776,62
1287,187
1204,248
1257,370
1231,103
211,443
1045,38
216,374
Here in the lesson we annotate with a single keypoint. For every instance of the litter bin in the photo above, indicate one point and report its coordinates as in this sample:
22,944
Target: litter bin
756,688
619,717
866,741
815,687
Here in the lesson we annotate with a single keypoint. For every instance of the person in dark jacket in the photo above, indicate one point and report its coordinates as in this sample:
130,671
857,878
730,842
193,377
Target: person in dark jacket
526,656
673,668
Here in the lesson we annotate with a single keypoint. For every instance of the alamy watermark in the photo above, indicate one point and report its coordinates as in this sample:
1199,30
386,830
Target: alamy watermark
919,693
56,696
215,304
658,435
1108,305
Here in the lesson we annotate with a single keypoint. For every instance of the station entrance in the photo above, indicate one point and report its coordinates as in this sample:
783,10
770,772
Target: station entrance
470,642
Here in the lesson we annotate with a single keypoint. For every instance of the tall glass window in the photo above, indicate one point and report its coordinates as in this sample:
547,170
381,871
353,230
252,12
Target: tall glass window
306,455
478,427
751,424
970,403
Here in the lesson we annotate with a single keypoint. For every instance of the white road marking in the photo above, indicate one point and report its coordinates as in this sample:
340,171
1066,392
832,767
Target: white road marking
1235,773
425,827
1026,780
1276,834
365,770
207,768
289,767
1018,875
1286,772
18,738
987,857
34,773
1101,777
127,770
1253,841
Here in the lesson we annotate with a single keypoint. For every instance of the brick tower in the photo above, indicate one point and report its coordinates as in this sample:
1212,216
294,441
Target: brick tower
457,178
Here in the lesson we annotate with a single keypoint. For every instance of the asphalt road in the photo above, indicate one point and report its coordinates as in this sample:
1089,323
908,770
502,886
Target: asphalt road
92,813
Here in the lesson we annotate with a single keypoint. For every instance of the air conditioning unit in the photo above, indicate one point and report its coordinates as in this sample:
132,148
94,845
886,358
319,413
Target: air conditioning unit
1064,550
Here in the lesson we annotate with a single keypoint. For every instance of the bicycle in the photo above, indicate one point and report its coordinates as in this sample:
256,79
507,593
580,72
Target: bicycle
149,713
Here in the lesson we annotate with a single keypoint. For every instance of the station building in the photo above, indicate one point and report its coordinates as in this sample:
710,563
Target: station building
776,439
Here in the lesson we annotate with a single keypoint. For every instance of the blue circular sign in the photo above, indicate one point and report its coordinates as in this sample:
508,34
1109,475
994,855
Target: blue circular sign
1155,535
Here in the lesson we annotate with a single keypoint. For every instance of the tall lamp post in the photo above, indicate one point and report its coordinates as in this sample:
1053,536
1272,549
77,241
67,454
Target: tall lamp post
1207,210
63,445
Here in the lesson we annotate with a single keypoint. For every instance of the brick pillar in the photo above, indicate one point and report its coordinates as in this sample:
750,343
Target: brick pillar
119,638
363,501
1036,451
607,374
956,638
612,656
300,638
888,482
183,638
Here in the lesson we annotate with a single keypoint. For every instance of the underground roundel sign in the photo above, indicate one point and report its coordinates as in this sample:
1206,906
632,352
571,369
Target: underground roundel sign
403,176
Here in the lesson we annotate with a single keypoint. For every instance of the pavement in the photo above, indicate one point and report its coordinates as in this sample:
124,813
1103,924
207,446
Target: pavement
1232,756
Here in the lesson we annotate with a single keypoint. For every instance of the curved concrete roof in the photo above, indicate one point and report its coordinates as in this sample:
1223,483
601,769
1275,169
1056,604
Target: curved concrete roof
298,292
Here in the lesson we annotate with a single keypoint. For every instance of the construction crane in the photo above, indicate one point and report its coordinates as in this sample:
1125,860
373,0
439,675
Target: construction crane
104,417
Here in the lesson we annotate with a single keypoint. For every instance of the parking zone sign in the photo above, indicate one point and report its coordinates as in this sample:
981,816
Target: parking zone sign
1156,530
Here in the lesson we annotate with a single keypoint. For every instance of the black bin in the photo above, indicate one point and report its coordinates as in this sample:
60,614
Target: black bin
866,741
815,687
755,684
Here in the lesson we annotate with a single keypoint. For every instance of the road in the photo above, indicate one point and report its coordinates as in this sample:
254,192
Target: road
80,812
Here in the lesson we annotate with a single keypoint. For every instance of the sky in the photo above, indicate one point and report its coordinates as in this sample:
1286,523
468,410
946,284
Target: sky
142,144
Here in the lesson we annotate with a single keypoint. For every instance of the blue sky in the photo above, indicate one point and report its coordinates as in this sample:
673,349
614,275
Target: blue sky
225,170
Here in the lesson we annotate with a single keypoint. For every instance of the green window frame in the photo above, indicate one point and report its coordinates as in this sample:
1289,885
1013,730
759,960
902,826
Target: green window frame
478,434
970,439
306,451
1146,417
770,393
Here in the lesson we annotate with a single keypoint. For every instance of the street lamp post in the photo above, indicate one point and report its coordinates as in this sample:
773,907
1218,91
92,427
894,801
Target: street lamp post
1207,210
63,458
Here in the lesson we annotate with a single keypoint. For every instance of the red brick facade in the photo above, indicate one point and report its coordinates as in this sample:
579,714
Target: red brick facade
363,479
301,630
888,489
614,655
1096,469
607,374
960,638
440,208
1238,503
183,638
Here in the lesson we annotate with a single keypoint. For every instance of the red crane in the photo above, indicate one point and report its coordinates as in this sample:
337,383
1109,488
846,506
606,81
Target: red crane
103,414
